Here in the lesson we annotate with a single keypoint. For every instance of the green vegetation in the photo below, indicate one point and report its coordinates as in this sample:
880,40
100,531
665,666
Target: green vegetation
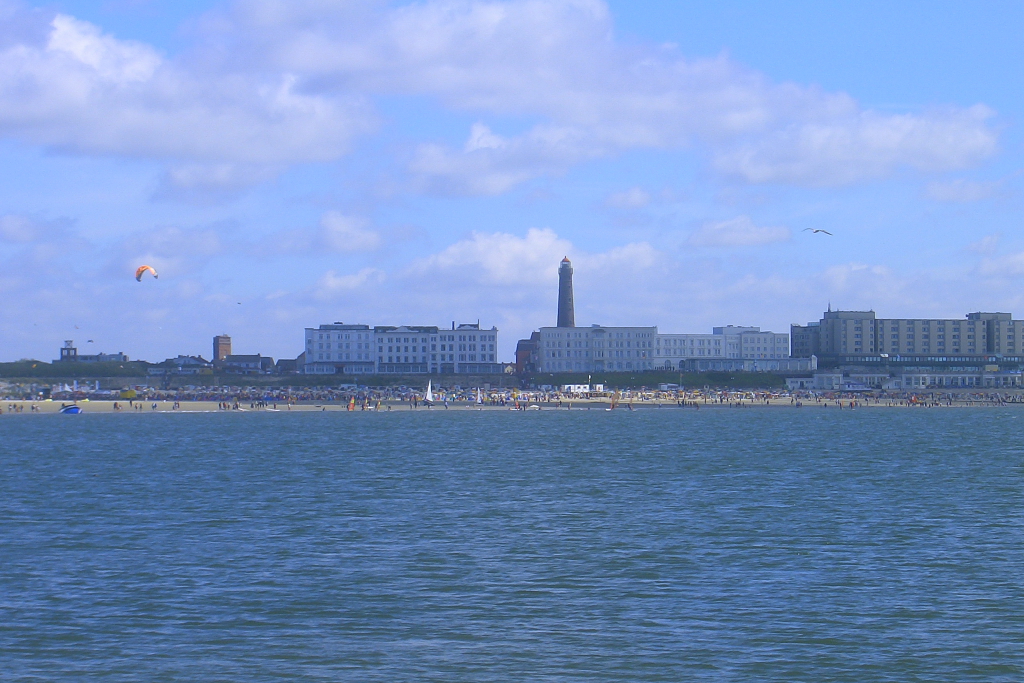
651,379
136,372
34,369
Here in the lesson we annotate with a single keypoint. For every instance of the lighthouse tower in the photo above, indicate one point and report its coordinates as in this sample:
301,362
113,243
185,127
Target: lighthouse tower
566,314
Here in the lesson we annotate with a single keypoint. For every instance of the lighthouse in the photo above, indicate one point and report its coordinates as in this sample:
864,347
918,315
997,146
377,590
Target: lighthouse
566,314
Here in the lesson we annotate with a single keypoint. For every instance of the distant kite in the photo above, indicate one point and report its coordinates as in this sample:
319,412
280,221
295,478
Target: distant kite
143,269
815,231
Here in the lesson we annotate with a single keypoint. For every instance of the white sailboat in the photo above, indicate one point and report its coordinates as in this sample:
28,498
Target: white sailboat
479,399
428,397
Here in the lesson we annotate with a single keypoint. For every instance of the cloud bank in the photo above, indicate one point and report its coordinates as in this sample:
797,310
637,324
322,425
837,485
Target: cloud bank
273,83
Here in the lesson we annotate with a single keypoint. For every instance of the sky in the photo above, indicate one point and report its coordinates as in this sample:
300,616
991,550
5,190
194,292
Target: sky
289,163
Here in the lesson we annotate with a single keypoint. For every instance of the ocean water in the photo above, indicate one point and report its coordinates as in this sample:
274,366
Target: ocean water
762,544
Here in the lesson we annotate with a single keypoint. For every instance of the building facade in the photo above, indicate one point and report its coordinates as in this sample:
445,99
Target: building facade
849,335
623,349
69,354
596,349
403,349
911,380
221,347
247,364
528,353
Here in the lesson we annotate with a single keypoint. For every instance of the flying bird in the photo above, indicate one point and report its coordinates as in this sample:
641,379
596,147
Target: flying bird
815,231
90,342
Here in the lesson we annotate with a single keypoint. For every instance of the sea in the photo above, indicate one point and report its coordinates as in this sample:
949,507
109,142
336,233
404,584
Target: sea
660,544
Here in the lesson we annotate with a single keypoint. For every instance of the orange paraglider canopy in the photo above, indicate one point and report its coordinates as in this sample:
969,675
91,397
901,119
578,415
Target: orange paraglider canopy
143,269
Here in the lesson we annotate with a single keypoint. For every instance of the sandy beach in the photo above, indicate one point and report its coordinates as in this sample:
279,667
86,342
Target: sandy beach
160,406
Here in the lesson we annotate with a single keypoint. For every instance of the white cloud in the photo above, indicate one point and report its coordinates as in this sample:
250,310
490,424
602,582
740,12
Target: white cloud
560,60
490,164
337,233
205,183
273,83
83,91
857,276
175,252
986,245
860,145
114,61
333,284
633,198
498,258
963,191
737,232
346,233
1008,265
624,261
17,229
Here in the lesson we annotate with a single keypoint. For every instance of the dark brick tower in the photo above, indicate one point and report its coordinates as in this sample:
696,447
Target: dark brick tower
566,314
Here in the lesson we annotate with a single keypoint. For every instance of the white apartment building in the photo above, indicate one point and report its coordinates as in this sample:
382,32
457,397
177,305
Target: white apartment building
403,349
613,349
339,348
585,349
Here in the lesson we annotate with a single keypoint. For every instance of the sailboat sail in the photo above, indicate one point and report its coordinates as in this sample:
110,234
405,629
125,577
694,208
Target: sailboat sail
479,399
429,396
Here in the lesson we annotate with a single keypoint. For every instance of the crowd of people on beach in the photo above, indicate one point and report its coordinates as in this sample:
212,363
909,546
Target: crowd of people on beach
143,398
229,398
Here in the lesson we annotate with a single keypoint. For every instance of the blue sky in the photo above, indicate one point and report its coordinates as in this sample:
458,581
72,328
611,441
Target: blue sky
284,164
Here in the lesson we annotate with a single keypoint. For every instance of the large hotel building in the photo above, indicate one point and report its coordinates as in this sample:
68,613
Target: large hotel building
613,349
406,349
852,336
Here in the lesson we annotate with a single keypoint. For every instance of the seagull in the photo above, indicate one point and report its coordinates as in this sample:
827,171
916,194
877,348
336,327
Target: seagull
815,231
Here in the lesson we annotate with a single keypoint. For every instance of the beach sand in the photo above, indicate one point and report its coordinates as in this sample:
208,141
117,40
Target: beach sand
147,407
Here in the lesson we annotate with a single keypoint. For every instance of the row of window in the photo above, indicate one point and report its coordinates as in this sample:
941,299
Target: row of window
344,356
610,365
598,335
326,336
617,353
443,357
